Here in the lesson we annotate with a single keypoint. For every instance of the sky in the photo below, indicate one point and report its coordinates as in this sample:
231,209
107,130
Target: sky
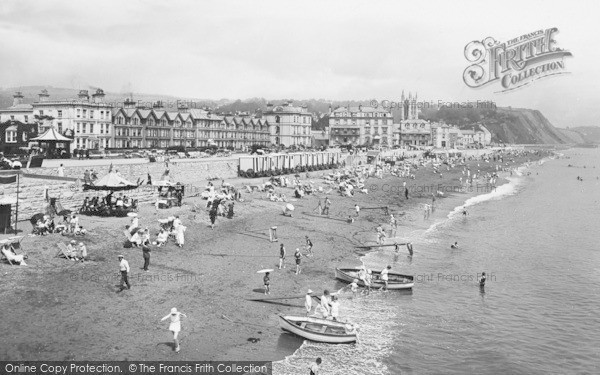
335,50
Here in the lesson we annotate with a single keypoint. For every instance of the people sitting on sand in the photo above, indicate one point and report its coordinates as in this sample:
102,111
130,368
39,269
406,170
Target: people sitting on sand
454,245
71,252
162,237
136,238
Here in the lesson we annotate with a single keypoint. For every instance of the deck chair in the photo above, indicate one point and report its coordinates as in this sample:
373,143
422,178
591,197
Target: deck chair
63,251
15,243
12,258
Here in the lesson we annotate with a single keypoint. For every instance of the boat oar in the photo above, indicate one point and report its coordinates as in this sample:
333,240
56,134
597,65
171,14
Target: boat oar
386,245
276,298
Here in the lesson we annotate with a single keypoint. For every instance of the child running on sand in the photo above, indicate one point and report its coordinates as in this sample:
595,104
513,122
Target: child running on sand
175,325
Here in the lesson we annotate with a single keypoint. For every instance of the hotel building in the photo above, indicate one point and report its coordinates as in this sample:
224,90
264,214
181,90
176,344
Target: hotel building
289,125
361,126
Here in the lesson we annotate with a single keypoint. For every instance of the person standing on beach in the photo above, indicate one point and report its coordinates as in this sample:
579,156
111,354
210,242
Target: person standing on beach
380,235
281,256
335,308
319,208
394,225
298,256
267,283
384,277
175,326
432,202
82,252
325,303
124,268
409,247
465,213
309,246
308,301
405,192
61,171
357,208
314,368
146,254
327,204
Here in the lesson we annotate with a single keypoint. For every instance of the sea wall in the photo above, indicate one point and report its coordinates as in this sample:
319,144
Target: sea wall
33,192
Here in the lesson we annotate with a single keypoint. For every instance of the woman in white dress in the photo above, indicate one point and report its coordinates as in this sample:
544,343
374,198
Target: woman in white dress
175,325
179,235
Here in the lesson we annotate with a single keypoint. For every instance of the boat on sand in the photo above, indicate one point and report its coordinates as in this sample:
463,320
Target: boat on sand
396,281
318,329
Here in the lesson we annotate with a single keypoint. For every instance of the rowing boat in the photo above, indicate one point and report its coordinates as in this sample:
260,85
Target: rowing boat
318,329
396,281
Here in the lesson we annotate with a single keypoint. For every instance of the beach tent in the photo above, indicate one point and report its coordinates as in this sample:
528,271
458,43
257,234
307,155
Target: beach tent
112,182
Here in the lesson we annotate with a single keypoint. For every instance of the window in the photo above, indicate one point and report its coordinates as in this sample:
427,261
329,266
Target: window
78,113
59,113
84,127
41,112
91,128
59,127
102,115
84,113
26,118
78,127
12,117
11,136
101,128
91,113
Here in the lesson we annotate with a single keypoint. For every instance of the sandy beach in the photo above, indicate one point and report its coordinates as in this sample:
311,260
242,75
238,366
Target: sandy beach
211,278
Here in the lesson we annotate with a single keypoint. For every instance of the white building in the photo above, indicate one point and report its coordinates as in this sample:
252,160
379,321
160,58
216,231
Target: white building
87,121
18,111
445,136
361,126
483,136
289,125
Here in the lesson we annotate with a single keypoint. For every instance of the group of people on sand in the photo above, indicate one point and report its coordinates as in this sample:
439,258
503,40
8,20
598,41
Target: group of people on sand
45,225
76,252
171,227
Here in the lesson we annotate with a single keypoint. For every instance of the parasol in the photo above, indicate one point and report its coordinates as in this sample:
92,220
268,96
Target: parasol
265,270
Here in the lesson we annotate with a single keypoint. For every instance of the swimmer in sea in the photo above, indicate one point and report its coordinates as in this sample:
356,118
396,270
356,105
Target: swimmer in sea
482,280
465,213
454,246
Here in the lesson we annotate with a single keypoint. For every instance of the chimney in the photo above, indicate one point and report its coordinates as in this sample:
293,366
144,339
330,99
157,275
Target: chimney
182,106
98,96
83,95
129,103
43,95
330,110
18,98
360,108
157,105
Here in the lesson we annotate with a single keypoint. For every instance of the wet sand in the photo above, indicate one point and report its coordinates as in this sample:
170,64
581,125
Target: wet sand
56,309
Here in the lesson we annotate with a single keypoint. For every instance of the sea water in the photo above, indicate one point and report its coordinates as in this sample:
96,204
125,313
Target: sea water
536,238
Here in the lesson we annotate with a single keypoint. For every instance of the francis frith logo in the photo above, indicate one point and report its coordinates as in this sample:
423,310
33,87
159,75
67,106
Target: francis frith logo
515,63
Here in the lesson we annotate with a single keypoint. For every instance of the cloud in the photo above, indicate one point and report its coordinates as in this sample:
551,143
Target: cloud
334,49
